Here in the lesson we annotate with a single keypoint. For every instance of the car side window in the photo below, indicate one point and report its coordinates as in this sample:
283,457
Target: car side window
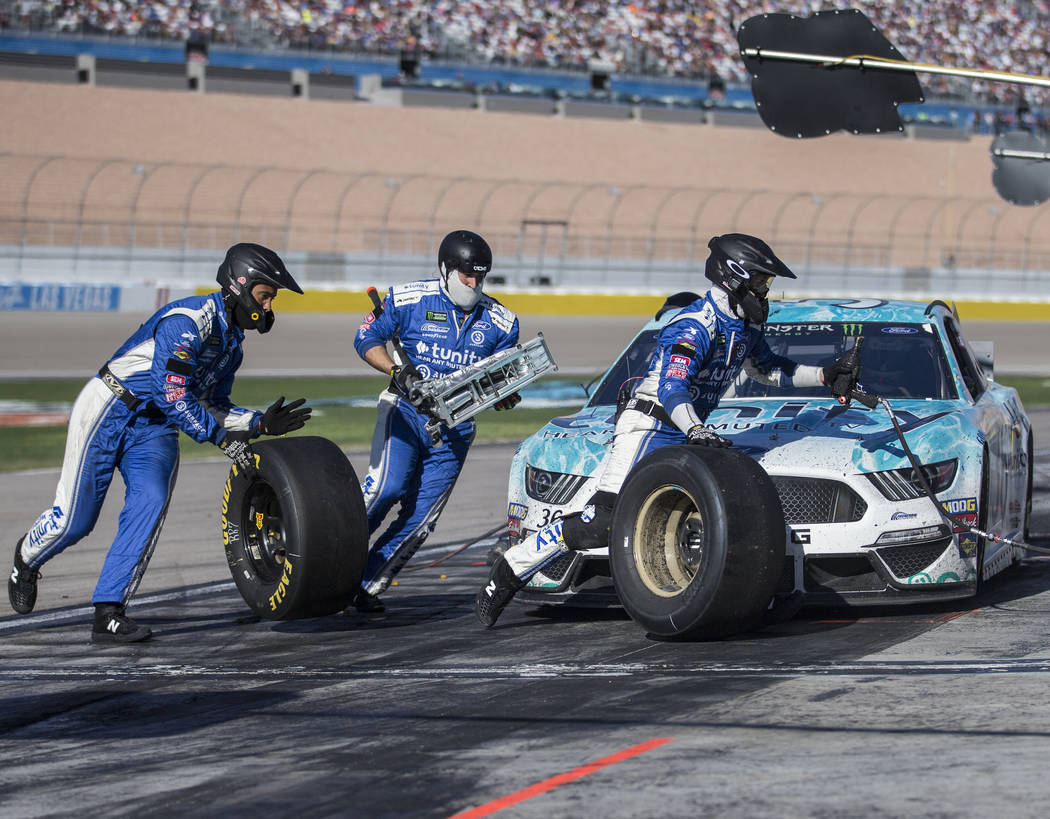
628,372
972,375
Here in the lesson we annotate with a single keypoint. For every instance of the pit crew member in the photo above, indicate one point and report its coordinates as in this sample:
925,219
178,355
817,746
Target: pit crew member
174,373
698,356
443,325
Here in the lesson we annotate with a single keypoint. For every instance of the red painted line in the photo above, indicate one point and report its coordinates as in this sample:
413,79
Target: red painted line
560,779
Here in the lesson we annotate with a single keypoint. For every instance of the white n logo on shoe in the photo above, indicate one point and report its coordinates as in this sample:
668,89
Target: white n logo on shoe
112,625
490,589
14,574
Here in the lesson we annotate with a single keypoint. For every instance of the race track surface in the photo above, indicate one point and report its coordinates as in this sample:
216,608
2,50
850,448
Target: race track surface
932,711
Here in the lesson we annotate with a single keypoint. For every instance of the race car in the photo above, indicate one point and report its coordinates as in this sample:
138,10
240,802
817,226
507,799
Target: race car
859,528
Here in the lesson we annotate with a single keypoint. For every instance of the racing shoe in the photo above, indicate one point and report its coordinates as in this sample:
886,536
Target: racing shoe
368,603
21,585
113,626
498,592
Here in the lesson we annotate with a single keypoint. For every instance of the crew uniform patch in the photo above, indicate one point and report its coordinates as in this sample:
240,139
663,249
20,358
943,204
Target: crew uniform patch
176,366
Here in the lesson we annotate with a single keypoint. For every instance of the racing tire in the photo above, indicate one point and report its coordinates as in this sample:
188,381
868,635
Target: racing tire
697,543
296,533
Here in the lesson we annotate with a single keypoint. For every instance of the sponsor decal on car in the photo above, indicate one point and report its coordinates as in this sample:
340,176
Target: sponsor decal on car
903,516
900,331
965,509
259,517
967,544
517,510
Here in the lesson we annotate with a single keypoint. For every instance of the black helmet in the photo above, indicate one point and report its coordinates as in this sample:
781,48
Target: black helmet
465,251
744,267
245,266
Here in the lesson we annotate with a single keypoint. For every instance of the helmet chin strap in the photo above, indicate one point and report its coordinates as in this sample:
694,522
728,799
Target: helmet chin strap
464,297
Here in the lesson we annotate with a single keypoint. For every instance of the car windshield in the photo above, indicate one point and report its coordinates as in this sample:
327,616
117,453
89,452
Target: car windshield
897,361
628,371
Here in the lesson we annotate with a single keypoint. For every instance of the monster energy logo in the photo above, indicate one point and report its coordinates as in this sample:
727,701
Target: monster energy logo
852,329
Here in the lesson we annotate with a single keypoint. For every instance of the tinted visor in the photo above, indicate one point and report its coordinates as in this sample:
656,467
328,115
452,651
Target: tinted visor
479,272
759,283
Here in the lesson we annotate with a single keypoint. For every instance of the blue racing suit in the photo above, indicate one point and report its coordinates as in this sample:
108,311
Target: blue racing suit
698,355
175,372
404,466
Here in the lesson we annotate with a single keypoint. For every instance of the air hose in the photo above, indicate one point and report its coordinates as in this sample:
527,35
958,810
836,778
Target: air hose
872,401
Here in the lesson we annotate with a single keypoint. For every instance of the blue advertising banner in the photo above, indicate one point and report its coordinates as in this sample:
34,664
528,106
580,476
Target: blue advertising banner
87,298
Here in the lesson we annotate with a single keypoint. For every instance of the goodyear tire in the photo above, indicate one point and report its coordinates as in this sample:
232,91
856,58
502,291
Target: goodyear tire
296,534
697,543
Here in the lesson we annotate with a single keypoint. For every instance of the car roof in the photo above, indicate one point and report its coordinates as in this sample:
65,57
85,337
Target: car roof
812,310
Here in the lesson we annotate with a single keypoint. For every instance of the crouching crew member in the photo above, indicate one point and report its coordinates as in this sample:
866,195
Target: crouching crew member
698,355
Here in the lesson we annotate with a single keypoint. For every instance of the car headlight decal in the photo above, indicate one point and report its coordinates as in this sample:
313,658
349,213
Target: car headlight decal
551,487
903,484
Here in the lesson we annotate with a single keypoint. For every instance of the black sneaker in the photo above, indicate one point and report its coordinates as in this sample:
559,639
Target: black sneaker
368,603
113,626
498,592
21,585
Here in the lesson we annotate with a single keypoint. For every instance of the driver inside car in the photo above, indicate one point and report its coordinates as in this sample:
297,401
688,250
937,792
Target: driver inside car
698,355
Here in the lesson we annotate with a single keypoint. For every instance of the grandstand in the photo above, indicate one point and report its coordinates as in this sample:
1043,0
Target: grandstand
671,38
356,193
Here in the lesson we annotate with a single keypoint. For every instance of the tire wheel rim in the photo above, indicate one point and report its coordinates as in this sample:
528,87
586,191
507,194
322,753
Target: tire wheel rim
264,532
668,541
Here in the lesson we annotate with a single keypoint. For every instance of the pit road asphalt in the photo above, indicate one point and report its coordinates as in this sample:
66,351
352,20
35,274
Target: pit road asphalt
931,711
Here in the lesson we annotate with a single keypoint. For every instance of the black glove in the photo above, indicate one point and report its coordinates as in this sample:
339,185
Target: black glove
700,435
236,447
841,375
405,378
510,402
281,418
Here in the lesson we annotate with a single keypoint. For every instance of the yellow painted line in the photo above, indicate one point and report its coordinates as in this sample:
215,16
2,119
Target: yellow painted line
604,304
1003,311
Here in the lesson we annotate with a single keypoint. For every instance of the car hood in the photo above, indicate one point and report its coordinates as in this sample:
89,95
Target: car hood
784,436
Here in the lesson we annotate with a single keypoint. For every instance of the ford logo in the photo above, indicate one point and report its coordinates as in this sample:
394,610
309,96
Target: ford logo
900,331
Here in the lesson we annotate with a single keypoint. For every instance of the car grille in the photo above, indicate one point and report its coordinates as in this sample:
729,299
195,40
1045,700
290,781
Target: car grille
557,569
904,561
815,500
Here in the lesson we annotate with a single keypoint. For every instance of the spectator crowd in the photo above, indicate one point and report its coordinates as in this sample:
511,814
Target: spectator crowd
677,38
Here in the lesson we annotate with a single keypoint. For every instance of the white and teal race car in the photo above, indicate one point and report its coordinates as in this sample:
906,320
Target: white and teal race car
857,526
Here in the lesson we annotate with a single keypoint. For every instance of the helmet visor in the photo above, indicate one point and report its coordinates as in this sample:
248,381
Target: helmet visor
759,284
478,272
